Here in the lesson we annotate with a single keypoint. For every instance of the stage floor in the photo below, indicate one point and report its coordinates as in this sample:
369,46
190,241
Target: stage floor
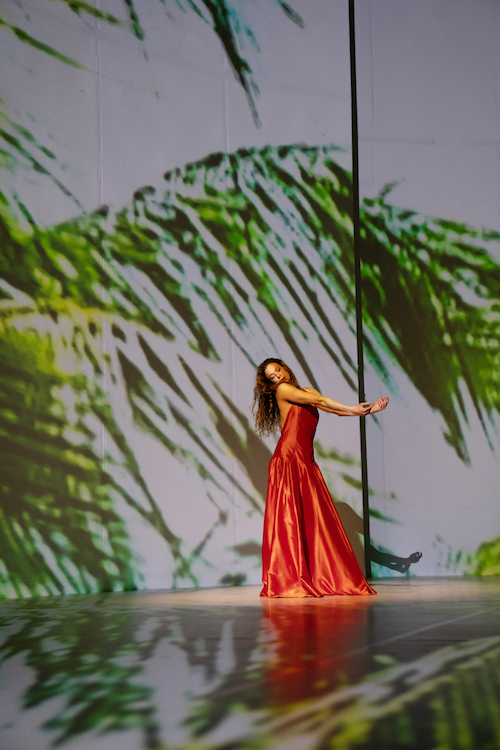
417,666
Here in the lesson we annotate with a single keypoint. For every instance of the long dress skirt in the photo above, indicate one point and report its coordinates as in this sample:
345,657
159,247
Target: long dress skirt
305,549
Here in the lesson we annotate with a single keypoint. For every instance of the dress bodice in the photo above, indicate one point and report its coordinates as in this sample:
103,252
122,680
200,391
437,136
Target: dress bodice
298,432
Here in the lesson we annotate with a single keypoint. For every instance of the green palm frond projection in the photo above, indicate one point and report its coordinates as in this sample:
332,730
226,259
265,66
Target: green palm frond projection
101,684
228,22
100,689
225,17
486,560
59,530
77,685
446,698
124,320
432,304
132,309
22,151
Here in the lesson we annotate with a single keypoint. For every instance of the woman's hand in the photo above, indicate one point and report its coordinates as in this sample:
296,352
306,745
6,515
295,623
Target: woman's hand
361,409
379,405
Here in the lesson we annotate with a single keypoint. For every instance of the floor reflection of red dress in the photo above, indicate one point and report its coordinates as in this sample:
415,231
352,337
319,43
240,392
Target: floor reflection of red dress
305,550
314,647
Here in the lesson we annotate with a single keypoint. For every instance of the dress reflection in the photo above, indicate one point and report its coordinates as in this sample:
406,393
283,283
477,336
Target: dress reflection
310,647
305,549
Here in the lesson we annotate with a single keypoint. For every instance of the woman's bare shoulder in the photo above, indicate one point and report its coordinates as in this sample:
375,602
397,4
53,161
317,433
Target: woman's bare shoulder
294,395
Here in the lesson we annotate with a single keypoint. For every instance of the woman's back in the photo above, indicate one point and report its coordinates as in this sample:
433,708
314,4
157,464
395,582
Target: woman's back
297,435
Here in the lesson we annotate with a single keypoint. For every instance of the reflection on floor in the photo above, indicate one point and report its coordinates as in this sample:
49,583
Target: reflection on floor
418,667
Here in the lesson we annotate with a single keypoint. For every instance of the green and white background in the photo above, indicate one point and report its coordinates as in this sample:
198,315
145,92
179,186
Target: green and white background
177,206
429,108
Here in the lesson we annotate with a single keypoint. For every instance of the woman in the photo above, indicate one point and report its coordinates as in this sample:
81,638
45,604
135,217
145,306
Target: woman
305,550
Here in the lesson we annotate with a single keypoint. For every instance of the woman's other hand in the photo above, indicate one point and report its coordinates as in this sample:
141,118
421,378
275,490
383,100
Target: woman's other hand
379,405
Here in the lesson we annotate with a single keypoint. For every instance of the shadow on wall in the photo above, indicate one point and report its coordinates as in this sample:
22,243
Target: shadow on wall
353,525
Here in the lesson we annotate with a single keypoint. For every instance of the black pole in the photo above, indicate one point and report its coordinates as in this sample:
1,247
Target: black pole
357,282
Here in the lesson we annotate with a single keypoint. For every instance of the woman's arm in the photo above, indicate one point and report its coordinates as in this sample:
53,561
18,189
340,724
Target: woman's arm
379,405
325,408
312,397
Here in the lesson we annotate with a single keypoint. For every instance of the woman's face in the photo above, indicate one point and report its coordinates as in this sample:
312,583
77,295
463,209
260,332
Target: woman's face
276,373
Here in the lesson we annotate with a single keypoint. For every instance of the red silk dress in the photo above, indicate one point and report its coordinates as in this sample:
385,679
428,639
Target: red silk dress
305,551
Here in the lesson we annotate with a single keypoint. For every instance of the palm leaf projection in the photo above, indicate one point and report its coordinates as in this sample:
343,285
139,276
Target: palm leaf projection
53,506
431,302
100,682
233,246
134,304
418,704
21,148
82,685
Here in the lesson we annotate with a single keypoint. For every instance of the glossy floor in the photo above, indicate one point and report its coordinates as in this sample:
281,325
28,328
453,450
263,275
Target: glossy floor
417,666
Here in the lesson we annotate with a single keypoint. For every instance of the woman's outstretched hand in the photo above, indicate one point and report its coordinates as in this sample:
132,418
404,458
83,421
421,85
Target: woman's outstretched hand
379,405
361,409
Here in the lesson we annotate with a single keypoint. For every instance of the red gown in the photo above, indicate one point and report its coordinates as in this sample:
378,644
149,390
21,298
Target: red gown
305,551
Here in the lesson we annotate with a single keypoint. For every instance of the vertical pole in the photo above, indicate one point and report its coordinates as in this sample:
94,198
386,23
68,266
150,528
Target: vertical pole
357,281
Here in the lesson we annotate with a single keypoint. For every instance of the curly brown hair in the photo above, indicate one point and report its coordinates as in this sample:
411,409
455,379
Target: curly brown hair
265,407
